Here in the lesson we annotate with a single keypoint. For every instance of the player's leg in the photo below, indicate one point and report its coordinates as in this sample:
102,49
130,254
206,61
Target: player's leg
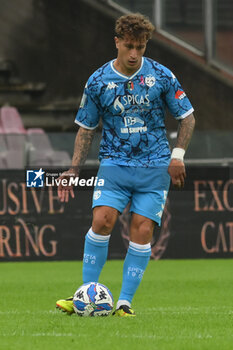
108,202
147,206
97,241
95,249
136,261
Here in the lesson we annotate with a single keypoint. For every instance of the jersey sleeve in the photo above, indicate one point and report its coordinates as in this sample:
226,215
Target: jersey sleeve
89,112
176,99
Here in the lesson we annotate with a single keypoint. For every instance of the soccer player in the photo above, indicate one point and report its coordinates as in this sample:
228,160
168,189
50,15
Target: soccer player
130,94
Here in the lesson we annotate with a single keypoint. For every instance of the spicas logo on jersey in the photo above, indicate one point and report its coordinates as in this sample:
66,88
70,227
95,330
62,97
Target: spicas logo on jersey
122,102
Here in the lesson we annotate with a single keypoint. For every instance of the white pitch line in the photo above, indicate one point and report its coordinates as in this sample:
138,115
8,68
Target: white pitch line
181,309
222,310
28,312
53,334
131,336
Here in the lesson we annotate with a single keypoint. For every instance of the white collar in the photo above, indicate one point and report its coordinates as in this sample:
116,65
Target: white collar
126,76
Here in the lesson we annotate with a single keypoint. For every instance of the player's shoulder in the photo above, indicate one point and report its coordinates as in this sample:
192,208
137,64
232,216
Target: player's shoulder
159,69
99,75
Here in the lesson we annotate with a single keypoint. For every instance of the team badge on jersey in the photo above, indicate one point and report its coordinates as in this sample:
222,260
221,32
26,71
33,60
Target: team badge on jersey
130,86
150,80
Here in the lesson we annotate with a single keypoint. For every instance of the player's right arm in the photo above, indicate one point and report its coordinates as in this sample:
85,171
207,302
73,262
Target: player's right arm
82,145
87,118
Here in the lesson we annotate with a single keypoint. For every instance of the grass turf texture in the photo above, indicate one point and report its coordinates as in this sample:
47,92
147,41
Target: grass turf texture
179,305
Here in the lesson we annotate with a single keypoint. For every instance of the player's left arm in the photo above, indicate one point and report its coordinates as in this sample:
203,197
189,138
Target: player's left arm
176,167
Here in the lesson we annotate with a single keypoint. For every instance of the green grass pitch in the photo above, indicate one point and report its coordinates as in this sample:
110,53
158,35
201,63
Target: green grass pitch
181,304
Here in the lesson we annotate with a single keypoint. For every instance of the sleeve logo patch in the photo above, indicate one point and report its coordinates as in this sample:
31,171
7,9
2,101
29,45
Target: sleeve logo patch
180,94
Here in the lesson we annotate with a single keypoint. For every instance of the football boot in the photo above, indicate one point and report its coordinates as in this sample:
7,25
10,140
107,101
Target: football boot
65,305
124,311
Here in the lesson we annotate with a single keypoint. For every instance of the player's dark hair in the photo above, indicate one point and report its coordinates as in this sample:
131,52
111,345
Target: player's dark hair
134,25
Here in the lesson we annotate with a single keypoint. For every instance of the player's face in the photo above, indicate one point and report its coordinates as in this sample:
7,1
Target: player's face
130,52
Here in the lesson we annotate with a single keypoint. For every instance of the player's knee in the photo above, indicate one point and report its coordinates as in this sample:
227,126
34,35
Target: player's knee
142,232
103,222
102,225
146,230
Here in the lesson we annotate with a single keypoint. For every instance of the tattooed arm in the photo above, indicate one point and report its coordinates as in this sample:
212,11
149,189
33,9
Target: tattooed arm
82,145
185,131
176,168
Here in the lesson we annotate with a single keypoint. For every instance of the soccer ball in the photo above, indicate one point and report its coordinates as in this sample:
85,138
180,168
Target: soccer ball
93,299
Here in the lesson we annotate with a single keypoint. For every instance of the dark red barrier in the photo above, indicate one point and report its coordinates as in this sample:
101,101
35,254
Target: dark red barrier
197,221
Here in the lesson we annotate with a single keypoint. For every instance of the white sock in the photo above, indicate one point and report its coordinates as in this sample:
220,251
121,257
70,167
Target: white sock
122,302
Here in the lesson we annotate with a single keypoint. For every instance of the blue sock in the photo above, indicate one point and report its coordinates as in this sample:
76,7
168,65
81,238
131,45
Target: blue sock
136,261
95,255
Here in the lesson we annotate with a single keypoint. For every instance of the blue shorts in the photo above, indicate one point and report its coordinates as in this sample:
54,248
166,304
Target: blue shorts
145,188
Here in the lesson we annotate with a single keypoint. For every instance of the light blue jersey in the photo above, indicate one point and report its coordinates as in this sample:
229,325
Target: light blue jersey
133,112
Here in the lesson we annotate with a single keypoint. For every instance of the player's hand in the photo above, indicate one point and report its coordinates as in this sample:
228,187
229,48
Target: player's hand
177,172
64,191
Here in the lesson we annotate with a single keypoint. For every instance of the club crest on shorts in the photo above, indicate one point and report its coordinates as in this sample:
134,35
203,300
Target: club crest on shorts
96,194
